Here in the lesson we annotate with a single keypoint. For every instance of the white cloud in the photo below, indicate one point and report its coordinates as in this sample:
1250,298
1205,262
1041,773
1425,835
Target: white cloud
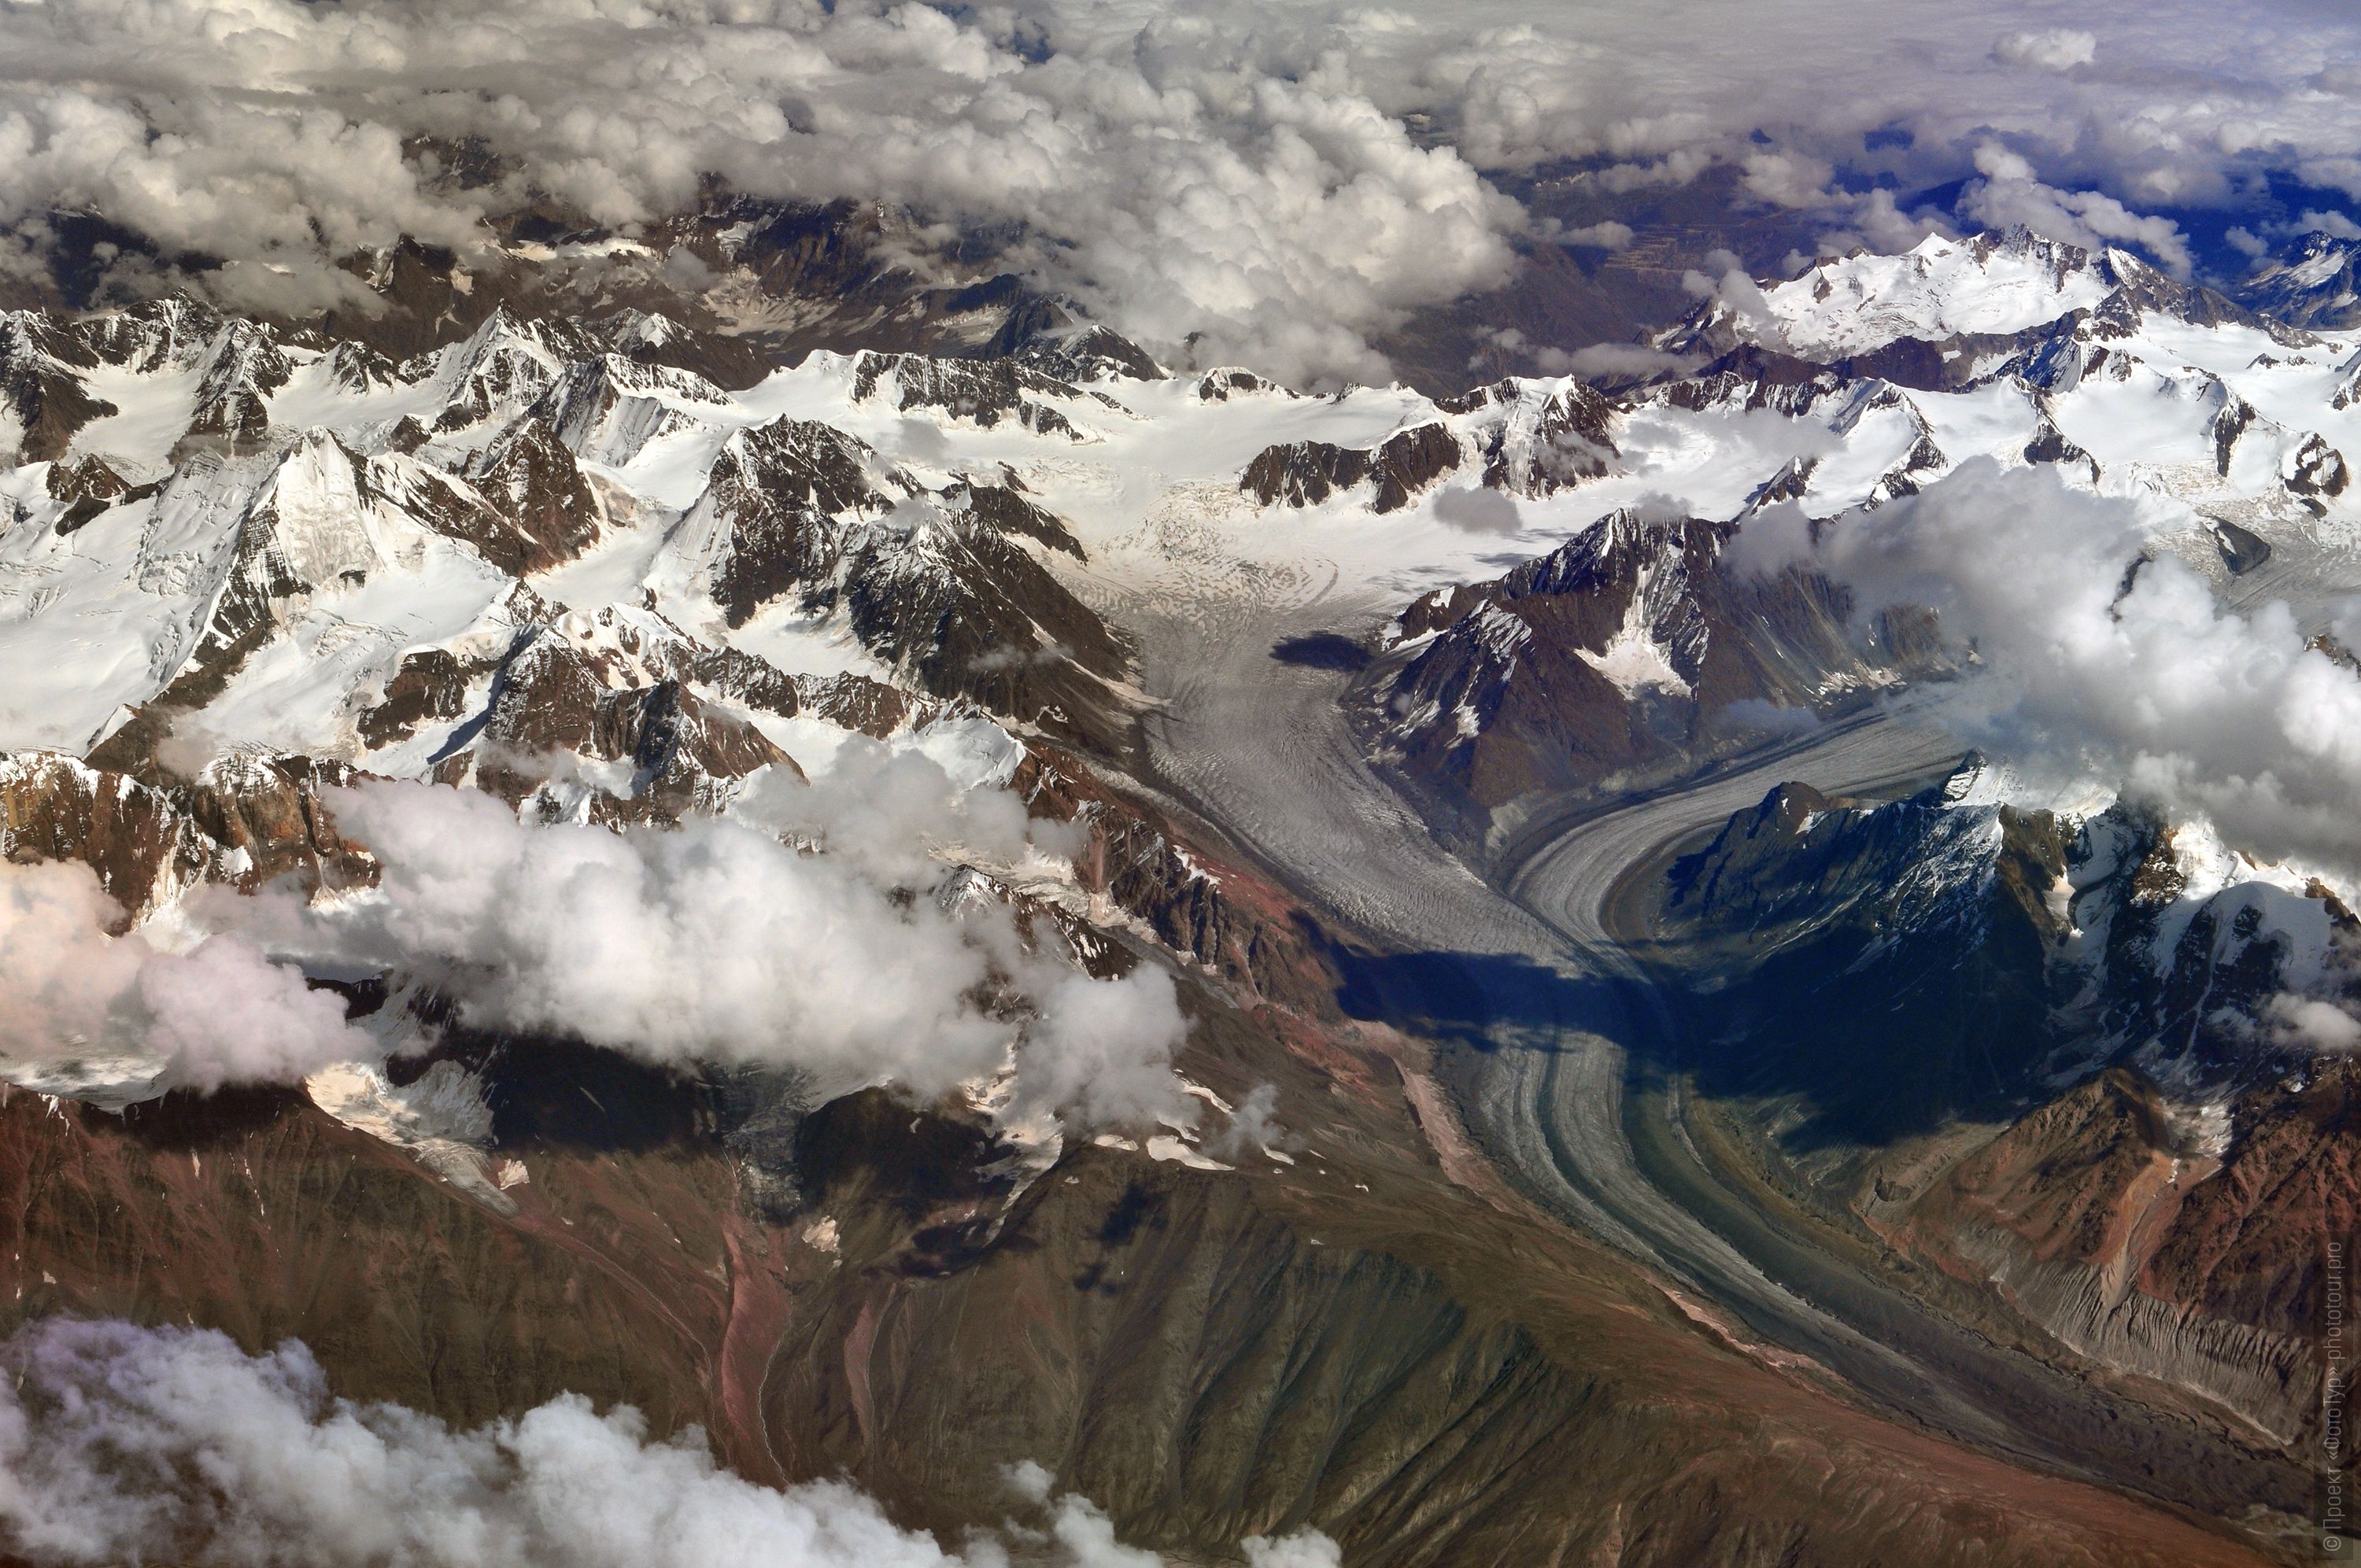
129,1444
1617,359
2051,48
1787,179
711,943
1475,510
1607,235
2334,224
1163,178
219,1014
716,943
2159,690
1289,182
2009,195
1736,290
1306,1549
2310,1023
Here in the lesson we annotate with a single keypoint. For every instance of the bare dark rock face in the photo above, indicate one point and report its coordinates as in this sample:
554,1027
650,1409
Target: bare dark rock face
43,393
241,370
1220,386
858,703
1044,336
785,492
89,485
1807,907
536,488
1003,508
1199,905
86,478
2317,469
983,390
1623,649
965,610
1306,473
430,685
1534,448
54,808
2094,1217
2106,1217
243,822
552,698
2049,446
265,821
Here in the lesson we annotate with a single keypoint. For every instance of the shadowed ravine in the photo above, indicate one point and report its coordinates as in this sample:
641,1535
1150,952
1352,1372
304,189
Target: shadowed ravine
1553,1035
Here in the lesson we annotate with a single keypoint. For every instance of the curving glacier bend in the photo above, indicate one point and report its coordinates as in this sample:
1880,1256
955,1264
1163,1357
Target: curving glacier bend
1456,672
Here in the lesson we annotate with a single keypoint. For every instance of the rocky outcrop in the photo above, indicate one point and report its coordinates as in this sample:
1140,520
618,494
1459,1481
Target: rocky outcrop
608,409
1880,981
978,391
1836,930
1306,473
44,398
1535,442
1200,906
965,610
552,700
242,822
780,496
241,370
2100,1222
531,481
430,686
1626,648
89,485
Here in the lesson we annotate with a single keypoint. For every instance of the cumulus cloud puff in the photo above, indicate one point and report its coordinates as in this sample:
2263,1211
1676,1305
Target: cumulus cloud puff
2050,48
1278,185
1156,175
122,1444
715,942
220,1014
2010,196
2102,659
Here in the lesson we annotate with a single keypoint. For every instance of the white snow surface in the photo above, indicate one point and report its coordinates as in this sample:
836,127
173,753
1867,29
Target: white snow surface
2206,425
1941,289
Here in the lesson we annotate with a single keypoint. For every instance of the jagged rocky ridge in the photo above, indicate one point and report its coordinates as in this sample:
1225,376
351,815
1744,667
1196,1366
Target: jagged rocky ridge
1864,380
1626,650
2046,1052
599,539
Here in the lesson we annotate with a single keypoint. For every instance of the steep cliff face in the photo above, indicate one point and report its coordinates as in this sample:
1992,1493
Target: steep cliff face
242,821
1887,962
1625,650
2041,1054
2141,1249
1306,473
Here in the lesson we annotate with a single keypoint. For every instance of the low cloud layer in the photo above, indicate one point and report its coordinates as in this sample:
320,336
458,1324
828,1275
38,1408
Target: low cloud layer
219,1014
2100,659
122,1444
1278,184
713,942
